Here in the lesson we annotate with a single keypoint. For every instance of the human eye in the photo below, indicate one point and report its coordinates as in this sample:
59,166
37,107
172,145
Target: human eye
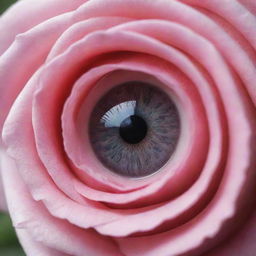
134,128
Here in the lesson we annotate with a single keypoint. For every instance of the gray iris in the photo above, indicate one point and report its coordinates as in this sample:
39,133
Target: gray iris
134,129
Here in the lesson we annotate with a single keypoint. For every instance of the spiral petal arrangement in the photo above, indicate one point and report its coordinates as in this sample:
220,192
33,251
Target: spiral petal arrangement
64,201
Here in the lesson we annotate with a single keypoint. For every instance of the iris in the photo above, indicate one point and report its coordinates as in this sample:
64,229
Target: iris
134,129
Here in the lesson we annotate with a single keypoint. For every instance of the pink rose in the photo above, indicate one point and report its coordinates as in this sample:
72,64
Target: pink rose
129,126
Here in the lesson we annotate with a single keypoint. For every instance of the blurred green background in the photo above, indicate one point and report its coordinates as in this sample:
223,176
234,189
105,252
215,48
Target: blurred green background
4,4
9,245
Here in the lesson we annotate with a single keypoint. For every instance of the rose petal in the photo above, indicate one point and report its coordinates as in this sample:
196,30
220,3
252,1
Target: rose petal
24,57
235,13
250,5
24,15
80,29
54,233
50,72
3,204
126,41
235,55
242,132
241,243
18,135
162,186
190,18
32,248
27,53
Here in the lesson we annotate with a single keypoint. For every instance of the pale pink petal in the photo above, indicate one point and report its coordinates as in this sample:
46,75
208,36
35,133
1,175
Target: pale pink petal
212,44
126,41
250,4
169,182
183,44
80,29
197,21
45,229
50,76
32,247
245,164
236,14
26,14
30,47
16,56
242,131
24,57
21,114
3,205
241,243
18,135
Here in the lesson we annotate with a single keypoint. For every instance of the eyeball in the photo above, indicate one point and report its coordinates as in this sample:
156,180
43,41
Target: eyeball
134,129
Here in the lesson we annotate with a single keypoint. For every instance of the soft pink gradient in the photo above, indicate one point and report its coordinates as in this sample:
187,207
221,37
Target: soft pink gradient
56,60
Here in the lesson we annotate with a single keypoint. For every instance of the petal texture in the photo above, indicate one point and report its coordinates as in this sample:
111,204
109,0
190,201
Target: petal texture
56,65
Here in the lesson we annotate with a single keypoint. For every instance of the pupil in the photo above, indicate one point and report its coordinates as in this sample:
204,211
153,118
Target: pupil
133,129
